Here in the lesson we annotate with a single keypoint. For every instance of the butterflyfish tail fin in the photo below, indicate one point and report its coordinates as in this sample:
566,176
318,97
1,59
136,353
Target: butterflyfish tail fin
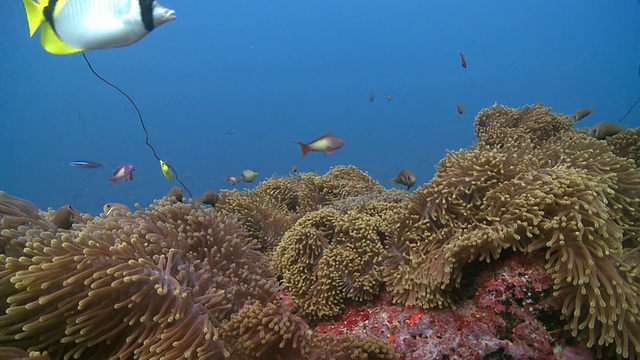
35,15
52,43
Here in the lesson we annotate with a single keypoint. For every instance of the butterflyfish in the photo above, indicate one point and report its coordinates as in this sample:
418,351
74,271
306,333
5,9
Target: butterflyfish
71,26
166,171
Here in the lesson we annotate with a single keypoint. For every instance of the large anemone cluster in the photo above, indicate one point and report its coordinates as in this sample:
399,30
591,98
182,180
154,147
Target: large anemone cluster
328,258
156,283
173,281
249,277
550,190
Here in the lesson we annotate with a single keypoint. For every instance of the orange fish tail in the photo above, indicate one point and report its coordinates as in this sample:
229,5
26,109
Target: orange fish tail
304,149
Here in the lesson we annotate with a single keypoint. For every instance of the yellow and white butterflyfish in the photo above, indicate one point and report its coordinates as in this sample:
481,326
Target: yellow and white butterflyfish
71,26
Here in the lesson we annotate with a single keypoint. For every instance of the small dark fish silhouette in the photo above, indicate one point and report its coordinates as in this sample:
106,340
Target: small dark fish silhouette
371,97
210,198
405,177
460,109
64,217
463,61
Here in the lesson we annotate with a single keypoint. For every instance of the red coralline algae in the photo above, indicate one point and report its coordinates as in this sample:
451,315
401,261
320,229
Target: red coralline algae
505,312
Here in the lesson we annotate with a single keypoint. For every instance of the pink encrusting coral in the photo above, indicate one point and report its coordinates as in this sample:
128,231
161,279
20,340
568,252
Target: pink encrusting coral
507,311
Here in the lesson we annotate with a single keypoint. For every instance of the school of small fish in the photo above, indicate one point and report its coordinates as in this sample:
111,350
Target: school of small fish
63,30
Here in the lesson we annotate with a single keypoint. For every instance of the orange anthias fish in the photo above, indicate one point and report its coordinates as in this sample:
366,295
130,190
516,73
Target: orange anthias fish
232,179
123,172
327,142
463,60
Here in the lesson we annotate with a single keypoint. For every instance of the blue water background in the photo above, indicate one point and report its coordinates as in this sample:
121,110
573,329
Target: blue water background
281,71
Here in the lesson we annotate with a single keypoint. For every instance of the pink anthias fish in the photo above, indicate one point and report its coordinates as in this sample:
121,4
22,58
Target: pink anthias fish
123,172
327,142
232,179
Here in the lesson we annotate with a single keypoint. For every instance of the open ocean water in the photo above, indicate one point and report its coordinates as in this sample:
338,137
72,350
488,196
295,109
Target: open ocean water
231,85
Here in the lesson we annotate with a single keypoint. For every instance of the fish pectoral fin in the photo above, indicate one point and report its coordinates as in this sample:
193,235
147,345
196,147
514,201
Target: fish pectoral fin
53,44
35,15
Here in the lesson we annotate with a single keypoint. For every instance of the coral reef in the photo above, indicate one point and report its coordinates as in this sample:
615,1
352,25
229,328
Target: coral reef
262,218
328,258
278,202
13,353
346,347
626,144
549,189
498,124
506,312
523,246
156,284
267,331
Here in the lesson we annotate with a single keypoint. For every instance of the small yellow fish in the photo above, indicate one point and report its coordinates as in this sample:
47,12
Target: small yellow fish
294,169
389,97
166,171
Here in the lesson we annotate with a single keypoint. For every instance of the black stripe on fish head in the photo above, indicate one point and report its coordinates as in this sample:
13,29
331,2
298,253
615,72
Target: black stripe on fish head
48,14
146,12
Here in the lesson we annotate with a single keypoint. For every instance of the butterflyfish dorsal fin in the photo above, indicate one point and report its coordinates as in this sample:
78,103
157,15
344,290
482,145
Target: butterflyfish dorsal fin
35,15
53,44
